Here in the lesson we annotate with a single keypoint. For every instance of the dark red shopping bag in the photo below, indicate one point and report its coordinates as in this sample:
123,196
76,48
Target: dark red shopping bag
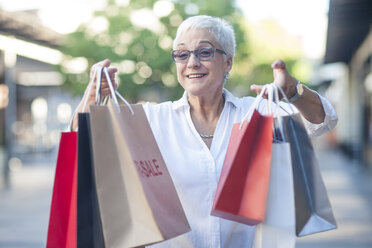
243,186
62,221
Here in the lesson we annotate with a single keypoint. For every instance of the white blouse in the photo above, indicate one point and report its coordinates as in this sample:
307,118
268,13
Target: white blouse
195,169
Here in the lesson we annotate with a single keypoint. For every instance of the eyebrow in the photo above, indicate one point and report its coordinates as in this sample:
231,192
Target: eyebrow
201,42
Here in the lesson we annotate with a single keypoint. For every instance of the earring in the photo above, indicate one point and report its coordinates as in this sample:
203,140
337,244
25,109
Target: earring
226,76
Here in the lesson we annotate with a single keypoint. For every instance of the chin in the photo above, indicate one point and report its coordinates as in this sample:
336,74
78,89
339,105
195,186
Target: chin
199,91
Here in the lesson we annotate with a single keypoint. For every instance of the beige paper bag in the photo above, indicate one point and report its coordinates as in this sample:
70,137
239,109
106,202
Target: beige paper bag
138,201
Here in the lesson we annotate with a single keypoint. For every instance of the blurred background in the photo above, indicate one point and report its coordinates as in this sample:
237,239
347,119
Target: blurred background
47,48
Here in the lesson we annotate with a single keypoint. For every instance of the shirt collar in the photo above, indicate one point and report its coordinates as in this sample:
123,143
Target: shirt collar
183,102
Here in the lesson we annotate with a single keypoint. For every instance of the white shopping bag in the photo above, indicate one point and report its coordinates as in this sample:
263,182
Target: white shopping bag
278,228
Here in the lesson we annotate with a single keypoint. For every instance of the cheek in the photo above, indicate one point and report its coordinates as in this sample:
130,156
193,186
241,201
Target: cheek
179,69
219,72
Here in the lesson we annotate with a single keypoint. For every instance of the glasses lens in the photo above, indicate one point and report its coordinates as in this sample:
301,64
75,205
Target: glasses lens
205,53
180,55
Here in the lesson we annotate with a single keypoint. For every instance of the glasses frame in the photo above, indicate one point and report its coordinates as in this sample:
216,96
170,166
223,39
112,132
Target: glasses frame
196,53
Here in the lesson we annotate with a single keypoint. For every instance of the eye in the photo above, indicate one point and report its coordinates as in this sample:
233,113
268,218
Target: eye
181,54
205,52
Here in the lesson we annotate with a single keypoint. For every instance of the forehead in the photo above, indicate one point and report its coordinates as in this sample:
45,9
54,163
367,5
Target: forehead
195,37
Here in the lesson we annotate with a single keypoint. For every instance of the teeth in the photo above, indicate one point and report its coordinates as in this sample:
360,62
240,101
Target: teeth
196,76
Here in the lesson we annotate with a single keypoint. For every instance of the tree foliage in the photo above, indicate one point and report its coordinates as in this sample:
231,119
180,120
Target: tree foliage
137,37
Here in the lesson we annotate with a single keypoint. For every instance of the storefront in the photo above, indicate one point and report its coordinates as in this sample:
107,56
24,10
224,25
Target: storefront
349,45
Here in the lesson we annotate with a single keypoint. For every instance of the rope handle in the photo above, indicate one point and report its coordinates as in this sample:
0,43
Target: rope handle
254,106
276,88
85,100
115,93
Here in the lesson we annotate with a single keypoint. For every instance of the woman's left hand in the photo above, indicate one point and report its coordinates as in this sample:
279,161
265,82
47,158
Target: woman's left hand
309,104
281,78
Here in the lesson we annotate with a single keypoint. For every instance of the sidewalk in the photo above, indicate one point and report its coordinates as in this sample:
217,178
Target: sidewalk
350,193
24,209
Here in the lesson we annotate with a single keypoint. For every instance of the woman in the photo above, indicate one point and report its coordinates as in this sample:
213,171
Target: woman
193,132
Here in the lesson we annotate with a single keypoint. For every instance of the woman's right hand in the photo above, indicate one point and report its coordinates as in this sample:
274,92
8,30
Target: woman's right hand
90,95
105,90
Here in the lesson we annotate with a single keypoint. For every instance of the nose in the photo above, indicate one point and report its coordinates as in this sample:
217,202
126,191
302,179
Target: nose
193,61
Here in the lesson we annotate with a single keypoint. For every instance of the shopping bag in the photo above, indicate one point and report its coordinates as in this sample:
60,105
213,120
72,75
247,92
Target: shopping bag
89,227
138,201
62,220
243,185
278,228
313,209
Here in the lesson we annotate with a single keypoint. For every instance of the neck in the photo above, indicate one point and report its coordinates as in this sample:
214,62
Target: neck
206,108
205,112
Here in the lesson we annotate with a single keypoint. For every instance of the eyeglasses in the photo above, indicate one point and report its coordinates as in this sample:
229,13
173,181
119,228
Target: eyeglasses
203,54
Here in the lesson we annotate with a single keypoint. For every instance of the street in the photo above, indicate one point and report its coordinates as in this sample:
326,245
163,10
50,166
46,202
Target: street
350,193
24,208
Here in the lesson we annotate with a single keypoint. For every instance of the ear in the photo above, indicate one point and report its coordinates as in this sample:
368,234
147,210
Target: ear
229,63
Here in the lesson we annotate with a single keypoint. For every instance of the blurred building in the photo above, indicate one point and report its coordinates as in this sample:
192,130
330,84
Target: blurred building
348,72
33,109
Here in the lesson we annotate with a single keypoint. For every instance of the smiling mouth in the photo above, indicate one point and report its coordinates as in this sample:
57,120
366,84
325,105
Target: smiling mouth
196,76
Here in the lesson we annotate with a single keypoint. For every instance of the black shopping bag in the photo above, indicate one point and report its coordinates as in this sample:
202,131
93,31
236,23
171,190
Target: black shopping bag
313,209
89,227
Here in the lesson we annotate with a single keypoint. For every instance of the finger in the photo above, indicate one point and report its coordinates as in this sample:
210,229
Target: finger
278,64
105,92
112,70
105,83
256,88
92,93
104,63
106,86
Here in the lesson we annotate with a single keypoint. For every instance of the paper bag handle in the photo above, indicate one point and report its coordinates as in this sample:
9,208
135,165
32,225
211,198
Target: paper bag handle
98,84
275,89
85,100
285,98
115,93
255,104
98,75
95,72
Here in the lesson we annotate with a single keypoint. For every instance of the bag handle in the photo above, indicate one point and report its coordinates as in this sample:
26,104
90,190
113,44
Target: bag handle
98,70
111,87
255,104
273,104
285,98
115,93
98,75
85,101
95,72
275,89
270,99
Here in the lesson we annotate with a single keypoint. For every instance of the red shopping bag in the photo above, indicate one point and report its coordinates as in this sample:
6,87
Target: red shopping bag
243,186
62,221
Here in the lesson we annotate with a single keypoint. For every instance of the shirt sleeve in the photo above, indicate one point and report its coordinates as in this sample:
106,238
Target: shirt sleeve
330,120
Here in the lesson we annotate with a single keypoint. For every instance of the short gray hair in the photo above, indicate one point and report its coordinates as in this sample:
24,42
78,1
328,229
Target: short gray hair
222,31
